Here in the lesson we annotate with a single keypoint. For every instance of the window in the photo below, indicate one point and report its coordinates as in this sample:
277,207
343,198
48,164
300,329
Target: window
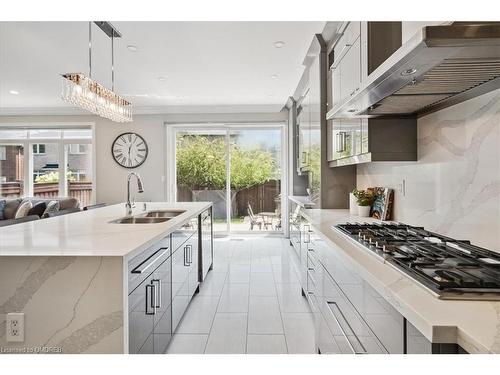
77,149
60,166
38,149
12,171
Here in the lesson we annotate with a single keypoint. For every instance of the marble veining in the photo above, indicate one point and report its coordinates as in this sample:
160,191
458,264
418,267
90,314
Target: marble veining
454,187
74,304
25,291
75,307
81,340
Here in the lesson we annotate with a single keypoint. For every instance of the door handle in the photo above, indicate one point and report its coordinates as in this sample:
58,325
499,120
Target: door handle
141,268
150,303
157,292
344,333
186,261
190,253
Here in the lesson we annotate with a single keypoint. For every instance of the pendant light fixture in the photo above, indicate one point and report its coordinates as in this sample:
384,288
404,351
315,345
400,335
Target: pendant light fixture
84,92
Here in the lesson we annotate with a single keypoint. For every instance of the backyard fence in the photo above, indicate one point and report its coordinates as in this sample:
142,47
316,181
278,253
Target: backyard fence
76,189
263,197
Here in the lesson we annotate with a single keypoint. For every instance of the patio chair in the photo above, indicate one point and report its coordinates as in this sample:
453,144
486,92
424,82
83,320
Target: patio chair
254,220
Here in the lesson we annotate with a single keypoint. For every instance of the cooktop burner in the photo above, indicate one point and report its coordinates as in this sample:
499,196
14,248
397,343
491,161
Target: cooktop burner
454,269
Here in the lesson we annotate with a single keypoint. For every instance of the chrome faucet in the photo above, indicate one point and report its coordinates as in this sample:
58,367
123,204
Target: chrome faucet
131,204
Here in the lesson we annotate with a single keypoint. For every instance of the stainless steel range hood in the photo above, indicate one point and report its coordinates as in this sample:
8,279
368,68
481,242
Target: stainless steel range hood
438,67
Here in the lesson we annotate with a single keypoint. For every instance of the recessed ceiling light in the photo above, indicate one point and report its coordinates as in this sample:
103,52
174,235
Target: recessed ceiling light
279,44
132,48
162,79
274,76
14,92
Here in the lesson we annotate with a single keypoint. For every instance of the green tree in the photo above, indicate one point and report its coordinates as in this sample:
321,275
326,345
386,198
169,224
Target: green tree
201,163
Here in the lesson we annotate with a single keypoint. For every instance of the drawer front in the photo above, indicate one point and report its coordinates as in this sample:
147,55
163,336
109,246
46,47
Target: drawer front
147,256
181,235
348,328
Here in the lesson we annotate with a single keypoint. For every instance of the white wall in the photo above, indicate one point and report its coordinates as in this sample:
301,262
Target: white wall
110,177
454,188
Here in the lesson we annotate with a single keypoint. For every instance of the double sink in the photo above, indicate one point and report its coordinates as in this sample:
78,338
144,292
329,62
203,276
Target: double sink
150,217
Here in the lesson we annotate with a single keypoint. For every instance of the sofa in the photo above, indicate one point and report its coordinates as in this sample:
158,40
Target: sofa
66,206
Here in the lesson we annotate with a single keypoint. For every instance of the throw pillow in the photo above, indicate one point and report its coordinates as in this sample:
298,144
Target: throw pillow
3,203
52,207
23,209
38,209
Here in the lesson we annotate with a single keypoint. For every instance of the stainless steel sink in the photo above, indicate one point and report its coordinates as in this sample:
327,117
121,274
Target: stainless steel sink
141,220
163,213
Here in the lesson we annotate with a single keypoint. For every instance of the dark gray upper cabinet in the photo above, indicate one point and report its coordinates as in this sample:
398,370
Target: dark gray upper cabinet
361,48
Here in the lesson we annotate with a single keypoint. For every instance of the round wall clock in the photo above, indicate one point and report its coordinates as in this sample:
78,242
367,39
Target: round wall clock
129,150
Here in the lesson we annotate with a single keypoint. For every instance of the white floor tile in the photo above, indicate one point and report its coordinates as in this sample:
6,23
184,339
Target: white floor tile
187,344
266,344
262,284
234,298
290,298
213,284
261,265
264,316
238,273
199,316
299,333
228,334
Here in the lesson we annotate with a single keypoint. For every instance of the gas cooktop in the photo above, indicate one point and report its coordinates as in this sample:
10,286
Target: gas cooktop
452,269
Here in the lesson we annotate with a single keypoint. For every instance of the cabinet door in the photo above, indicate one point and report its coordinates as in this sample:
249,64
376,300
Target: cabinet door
180,285
304,133
294,225
350,79
305,231
162,281
336,89
337,140
141,318
351,137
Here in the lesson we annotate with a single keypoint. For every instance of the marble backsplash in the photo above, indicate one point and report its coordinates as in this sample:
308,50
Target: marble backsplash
454,187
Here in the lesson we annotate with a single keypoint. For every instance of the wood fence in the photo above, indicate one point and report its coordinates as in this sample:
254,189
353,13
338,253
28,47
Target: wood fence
263,198
80,190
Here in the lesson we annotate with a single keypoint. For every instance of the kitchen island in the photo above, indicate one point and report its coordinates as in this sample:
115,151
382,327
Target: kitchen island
71,276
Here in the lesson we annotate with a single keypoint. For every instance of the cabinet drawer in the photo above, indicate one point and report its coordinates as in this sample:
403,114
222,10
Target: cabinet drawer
156,253
181,235
350,332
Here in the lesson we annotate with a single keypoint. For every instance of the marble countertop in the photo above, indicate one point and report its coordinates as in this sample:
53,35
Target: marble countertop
90,233
302,200
474,325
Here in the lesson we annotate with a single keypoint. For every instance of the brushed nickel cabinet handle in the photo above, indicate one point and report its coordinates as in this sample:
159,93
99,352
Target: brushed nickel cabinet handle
344,333
157,292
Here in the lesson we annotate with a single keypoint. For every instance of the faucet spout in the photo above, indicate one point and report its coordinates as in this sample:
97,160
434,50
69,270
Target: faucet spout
140,188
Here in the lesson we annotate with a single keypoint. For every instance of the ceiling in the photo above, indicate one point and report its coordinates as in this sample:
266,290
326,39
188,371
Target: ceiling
202,64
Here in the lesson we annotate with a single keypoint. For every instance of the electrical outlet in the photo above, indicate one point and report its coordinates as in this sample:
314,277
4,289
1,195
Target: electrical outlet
15,327
402,187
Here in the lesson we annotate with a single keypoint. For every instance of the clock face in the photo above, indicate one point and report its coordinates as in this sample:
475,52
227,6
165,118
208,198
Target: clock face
129,150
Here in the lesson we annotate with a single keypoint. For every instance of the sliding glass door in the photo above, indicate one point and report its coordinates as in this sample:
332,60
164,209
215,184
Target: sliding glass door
201,165
238,168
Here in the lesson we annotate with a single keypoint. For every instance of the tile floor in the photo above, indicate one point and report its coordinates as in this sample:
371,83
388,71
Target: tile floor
250,303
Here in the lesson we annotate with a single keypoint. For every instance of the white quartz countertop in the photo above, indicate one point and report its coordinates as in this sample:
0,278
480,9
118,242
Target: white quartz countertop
90,233
474,325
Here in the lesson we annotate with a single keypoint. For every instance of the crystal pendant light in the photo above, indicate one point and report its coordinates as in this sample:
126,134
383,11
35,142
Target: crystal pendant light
84,92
